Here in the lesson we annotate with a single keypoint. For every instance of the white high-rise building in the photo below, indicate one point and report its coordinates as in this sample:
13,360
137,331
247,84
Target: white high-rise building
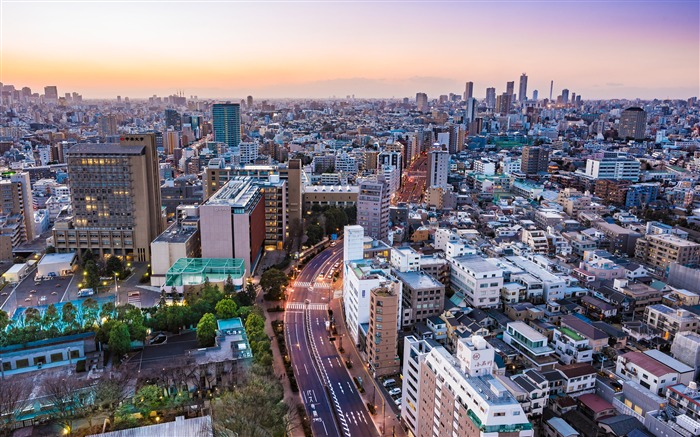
457,396
612,166
353,243
345,163
249,152
438,168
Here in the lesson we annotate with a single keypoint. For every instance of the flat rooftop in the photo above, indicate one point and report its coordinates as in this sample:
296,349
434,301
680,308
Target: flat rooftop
105,149
237,193
418,280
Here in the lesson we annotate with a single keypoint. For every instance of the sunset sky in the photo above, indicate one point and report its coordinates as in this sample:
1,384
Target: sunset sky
599,49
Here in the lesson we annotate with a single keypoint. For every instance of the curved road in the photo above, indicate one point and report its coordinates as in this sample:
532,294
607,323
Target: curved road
324,383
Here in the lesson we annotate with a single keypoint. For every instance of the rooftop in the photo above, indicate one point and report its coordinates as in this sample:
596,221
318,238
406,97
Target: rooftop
418,280
648,363
181,427
105,149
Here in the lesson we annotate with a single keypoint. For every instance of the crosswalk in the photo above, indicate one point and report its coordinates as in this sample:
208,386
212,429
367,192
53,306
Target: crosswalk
311,306
325,285
135,300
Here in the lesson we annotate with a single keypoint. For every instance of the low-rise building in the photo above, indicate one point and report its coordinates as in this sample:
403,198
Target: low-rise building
670,320
531,343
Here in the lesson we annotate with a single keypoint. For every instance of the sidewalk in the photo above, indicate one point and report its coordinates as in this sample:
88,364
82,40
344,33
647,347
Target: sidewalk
290,398
393,426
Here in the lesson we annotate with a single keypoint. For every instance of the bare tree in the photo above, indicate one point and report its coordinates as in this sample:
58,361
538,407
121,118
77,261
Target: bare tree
13,399
71,398
112,389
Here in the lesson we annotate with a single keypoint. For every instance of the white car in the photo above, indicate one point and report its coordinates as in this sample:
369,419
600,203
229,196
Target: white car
398,402
395,391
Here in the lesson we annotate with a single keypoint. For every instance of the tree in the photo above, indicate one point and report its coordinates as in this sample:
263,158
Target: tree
70,398
133,318
255,409
162,301
148,399
50,316
111,390
206,330
229,289
245,298
107,310
92,276
314,233
88,256
32,318
50,250
226,308
114,265
272,282
119,340
90,312
14,392
4,320
68,313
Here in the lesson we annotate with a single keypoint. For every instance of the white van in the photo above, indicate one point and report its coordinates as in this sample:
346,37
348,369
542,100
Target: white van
389,382
86,292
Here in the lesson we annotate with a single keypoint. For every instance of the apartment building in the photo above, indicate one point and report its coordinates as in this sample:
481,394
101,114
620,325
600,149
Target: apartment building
373,208
533,345
670,321
570,346
16,212
457,395
382,333
613,166
477,280
423,296
646,371
660,250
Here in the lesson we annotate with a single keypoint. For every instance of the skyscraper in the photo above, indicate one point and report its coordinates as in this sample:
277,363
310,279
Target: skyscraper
115,194
249,102
373,204
510,88
633,123
173,119
422,101
565,96
522,93
51,93
227,123
534,160
470,111
535,95
438,168
107,125
469,91
491,98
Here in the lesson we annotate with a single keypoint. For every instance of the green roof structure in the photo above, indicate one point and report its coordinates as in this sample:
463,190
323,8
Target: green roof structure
193,271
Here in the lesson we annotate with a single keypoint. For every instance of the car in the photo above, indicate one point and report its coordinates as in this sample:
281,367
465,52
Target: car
389,382
394,391
32,292
333,244
53,293
4,294
29,299
42,299
58,285
397,401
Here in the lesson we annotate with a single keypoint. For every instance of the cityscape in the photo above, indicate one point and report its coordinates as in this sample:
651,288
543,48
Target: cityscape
298,224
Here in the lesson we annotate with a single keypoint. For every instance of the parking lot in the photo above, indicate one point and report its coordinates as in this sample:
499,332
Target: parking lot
35,293
392,391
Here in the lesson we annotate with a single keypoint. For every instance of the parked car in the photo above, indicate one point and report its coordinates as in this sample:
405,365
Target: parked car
395,391
389,382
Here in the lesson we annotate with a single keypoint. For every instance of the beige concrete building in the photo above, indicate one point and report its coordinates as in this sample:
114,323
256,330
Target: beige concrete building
16,212
664,249
382,335
341,196
115,194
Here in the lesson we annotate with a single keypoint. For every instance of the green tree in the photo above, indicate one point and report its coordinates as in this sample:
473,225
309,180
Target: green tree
4,320
114,265
50,249
88,256
229,289
245,298
272,282
107,310
149,398
133,318
32,318
92,277
91,312
119,340
50,316
206,330
68,314
314,233
226,308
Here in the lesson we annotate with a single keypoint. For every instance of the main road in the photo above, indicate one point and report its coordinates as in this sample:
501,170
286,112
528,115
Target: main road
328,392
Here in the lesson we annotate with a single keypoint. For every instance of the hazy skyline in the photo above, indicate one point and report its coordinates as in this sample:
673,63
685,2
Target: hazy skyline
623,49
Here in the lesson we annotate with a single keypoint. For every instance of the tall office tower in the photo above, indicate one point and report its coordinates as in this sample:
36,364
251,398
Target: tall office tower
491,98
373,204
249,102
173,120
438,168
455,142
115,194
535,95
233,222
510,88
106,125
551,90
470,111
632,123
51,93
573,98
249,152
534,160
227,123
382,349
522,92
422,102
578,100
503,103
565,96
16,212
468,91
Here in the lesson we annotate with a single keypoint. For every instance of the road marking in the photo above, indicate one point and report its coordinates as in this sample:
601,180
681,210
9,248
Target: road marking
339,364
306,368
330,363
350,387
302,306
324,426
341,388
